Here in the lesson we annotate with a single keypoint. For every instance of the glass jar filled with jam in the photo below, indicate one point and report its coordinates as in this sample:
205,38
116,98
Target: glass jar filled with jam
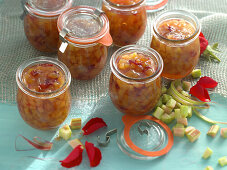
176,39
84,38
128,20
135,81
43,96
40,22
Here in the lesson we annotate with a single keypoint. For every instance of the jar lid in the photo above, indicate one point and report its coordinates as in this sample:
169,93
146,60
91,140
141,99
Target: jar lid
47,8
144,137
84,25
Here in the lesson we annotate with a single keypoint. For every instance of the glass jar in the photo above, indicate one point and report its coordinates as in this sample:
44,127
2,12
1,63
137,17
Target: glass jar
84,37
128,20
40,22
43,96
135,81
176,39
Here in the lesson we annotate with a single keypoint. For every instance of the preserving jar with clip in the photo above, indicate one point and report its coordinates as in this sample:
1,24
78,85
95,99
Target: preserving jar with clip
40,22
176,39
43,96
84,40
128,20
135,81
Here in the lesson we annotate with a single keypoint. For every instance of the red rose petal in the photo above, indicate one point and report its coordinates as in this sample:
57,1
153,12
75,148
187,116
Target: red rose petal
207,82
94,154
74,158
200,92
203,43
93,125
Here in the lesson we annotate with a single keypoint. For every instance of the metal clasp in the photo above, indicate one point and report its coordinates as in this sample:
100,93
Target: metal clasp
107,140
64,43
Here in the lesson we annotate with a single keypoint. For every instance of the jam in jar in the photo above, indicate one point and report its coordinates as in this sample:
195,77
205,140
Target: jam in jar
128,20
135,81
40,23
84,33
176,39
43,96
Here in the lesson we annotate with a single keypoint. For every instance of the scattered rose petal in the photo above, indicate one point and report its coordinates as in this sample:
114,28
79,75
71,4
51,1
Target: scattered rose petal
74,158
37,143
200,92
94,154
93,125
207,82
203,43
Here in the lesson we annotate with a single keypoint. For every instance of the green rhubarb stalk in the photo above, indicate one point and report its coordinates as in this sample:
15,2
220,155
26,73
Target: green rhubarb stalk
209,52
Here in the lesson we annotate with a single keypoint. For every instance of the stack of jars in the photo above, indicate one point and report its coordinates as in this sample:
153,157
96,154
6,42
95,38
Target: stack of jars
80,35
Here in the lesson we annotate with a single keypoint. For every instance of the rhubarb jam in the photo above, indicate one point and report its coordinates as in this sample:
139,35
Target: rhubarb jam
176,40
128,20
85,55
43,96
135,82
40,23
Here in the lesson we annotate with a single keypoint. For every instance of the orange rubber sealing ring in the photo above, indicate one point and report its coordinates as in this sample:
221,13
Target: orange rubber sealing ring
129,121
154,7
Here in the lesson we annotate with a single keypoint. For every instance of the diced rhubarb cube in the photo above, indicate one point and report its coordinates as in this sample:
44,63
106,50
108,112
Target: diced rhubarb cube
189,129
171,103
213,130
75,142
178,131
207,153
65,132
193,135
183,120
224,132
222,161
158,113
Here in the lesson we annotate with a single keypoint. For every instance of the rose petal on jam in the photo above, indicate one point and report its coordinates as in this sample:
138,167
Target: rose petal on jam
200,92
94,154
34,73
74,158
207,82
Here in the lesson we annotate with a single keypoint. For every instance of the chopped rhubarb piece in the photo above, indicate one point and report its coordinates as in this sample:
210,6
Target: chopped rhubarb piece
178,105
196,73
167,118
183,120
178,131
164,89
193,135
209,168
158,113
186,85
207,153
171,103
189,129
159,104
185,110
166,98
177,113
65,132
75,142
213,130
166,109
224,132
75,123
222,161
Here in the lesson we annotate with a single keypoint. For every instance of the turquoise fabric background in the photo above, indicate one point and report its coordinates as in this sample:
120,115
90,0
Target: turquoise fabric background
184,155
90,99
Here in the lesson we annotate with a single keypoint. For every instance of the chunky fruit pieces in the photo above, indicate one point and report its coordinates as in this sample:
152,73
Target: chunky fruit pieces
213,130
207,153
193,135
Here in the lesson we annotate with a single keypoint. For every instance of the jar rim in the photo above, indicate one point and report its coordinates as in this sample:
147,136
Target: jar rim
39,12
40,60
141,49
83,9
177,14
124,6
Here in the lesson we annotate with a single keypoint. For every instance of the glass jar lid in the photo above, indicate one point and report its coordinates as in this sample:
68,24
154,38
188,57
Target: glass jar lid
47,8
144,137
84,25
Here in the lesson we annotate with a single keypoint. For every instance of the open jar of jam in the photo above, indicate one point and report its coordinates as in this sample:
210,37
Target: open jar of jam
135,81
128,20
40,22
43,96
176,39
84,38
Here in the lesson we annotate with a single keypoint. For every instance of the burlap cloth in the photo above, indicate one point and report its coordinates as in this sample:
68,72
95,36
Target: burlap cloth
14,47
